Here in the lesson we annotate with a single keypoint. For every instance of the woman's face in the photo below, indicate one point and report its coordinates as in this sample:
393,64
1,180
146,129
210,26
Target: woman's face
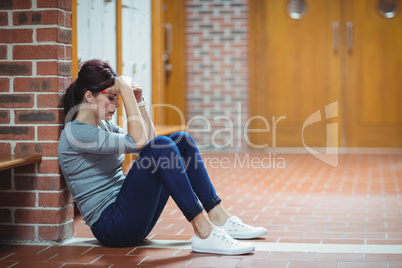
106,102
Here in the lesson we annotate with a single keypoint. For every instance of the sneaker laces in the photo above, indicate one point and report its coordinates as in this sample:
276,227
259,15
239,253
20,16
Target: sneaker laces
220,233
236,222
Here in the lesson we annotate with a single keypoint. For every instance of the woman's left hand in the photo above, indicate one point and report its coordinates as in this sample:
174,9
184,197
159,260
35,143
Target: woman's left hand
137,90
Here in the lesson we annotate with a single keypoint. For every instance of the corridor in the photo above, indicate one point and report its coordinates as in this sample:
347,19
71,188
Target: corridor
316,216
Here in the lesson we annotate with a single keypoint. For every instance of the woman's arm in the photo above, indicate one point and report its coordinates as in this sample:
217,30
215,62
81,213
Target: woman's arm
135,122
148,123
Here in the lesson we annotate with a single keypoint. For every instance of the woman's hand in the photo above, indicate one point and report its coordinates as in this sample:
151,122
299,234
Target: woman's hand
135,123
137,90
122,82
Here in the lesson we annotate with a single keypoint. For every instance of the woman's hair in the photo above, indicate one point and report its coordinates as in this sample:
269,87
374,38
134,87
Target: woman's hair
94,76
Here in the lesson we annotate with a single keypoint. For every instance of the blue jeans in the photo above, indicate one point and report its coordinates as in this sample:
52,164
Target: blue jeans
167,166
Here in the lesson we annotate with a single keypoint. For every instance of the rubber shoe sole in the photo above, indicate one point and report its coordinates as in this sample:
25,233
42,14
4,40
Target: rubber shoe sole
239,251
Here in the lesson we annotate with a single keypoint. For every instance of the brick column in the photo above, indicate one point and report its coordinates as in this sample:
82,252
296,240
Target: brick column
35,66
217,70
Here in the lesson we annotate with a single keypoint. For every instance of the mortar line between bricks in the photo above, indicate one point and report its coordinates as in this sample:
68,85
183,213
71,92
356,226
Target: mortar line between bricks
95,259
146,257
7,256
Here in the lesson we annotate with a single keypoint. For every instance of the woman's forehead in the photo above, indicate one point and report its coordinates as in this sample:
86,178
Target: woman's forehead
112,90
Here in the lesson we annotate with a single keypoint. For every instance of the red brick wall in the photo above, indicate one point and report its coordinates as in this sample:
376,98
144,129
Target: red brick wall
35,65
217,71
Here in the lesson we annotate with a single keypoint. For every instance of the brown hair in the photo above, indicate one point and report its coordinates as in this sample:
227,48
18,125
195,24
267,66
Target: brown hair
94,76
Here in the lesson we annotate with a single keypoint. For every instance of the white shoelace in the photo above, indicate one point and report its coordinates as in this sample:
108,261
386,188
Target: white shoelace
236,222
225,237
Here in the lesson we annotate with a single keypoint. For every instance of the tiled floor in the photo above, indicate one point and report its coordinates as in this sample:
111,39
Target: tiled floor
316,216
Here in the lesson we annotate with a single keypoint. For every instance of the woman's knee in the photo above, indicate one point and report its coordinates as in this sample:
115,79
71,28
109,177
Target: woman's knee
158,145
161,141
182,136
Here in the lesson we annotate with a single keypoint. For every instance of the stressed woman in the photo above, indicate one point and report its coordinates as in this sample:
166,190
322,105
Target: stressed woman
122,210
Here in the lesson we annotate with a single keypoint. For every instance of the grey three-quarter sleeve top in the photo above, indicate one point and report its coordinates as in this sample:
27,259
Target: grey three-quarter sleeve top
90,159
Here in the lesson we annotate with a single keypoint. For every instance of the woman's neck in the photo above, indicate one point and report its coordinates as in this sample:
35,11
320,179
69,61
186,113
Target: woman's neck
87,116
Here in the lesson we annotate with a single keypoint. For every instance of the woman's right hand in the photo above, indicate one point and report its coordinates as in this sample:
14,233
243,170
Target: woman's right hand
135,123
123,82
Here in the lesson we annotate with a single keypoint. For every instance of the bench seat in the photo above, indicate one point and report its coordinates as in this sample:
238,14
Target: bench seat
166,130
8,161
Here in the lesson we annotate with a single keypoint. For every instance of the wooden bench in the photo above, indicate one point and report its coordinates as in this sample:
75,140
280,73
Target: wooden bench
8,161
165,130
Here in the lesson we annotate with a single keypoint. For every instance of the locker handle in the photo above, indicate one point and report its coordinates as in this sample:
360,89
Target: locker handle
335,34
169,45
168,50
349,33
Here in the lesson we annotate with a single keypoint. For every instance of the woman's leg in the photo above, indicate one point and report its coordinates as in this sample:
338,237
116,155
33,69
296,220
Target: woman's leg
202,186
195,169
199,178
159,170
157,173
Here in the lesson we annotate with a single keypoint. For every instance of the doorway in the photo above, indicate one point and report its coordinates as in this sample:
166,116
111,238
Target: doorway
308,55
168,62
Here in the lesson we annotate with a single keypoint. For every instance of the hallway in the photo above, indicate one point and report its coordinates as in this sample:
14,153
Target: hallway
316,216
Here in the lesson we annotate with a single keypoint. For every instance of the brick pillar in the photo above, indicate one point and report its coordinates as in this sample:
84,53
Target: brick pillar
35,65
217,70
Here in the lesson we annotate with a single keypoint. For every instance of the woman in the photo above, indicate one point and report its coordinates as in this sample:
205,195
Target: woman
122,210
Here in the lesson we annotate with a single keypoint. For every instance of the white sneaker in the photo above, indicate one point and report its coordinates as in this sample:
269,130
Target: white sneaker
238,230
219,242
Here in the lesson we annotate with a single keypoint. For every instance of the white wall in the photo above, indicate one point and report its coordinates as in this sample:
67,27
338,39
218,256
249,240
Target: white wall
96,34
96,21
136,28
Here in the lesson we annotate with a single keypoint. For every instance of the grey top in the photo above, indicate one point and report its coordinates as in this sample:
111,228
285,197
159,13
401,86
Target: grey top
91,160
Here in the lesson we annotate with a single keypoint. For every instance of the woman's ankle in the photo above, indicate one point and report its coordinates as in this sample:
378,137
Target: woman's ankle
202,226
218,215
203,233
